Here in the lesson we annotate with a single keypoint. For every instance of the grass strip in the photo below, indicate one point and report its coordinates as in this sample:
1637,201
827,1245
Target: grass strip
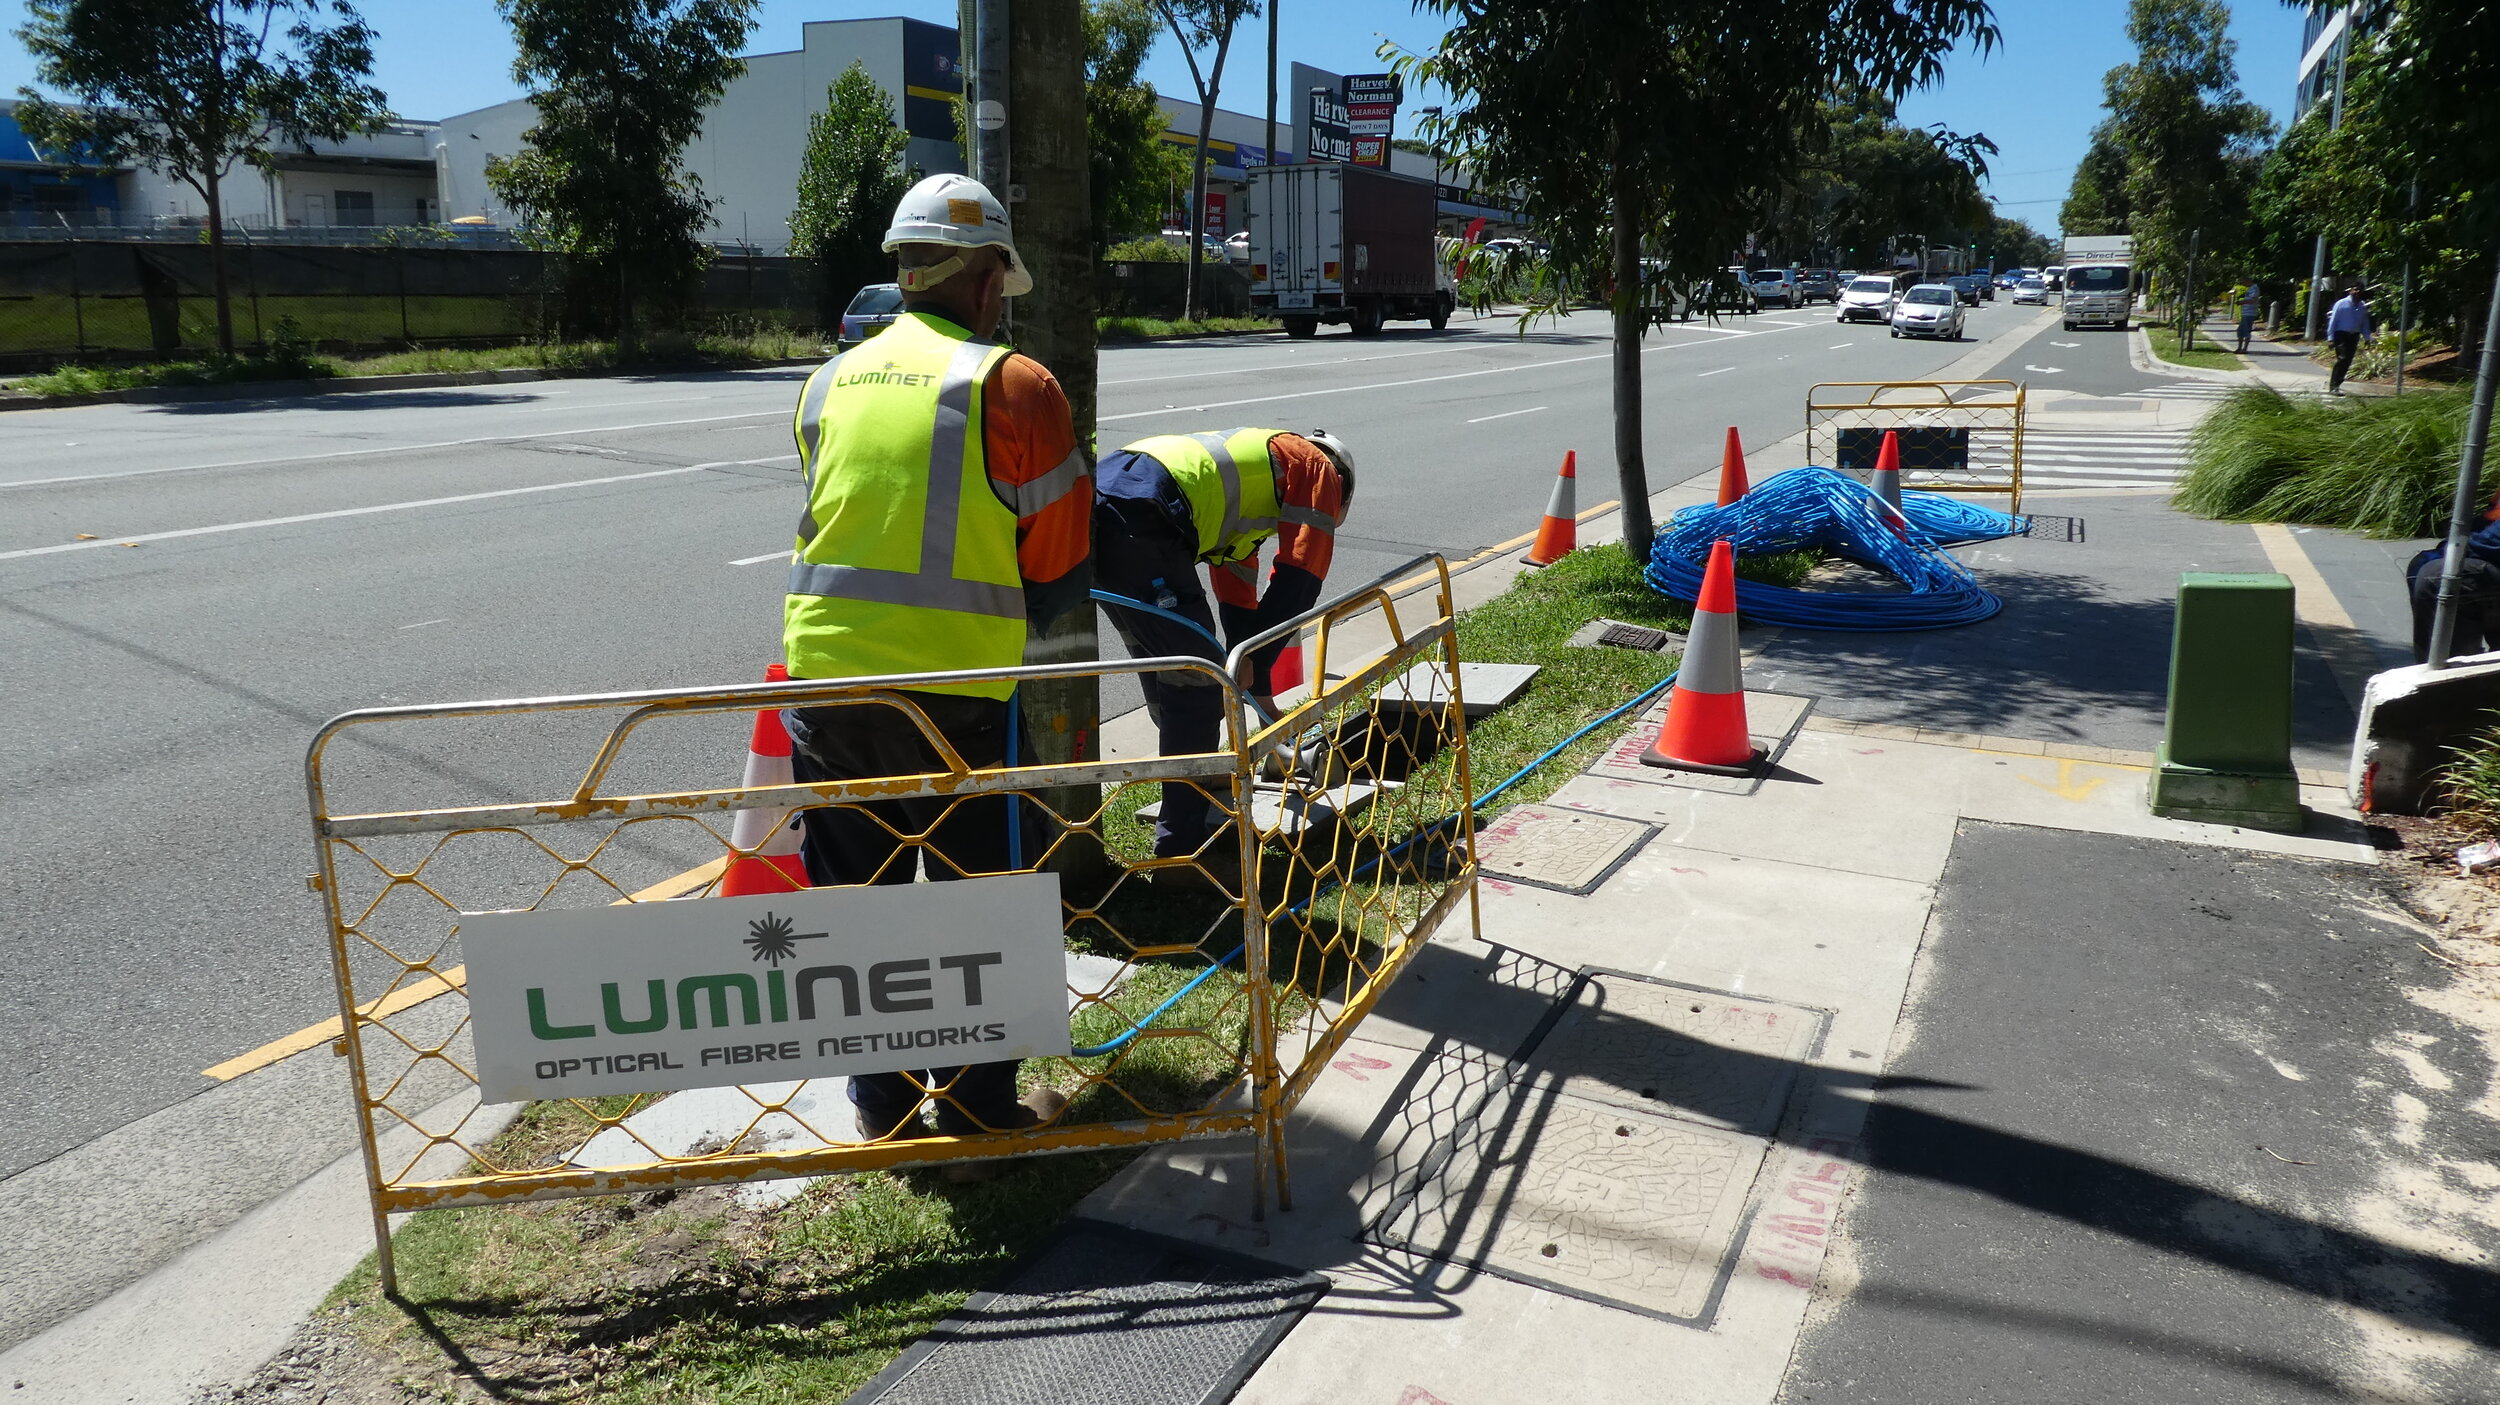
1120,329
2199,353
2382,465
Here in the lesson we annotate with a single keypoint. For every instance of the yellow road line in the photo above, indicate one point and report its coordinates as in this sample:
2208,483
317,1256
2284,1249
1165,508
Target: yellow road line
2348,655
435,983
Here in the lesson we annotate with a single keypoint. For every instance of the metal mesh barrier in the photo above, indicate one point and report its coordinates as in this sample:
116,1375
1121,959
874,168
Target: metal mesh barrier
1955,436
1204,991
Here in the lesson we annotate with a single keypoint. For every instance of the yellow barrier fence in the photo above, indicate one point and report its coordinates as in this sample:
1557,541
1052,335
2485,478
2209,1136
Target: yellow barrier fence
1204,991
1955,436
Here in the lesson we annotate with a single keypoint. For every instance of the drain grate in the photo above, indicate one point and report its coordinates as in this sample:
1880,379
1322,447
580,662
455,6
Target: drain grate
1634,636
2047,527
1104,1315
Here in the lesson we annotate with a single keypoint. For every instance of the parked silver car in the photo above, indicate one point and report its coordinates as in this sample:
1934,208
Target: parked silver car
1928,310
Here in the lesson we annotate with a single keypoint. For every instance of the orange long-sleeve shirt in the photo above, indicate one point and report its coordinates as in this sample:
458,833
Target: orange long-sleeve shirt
1312,497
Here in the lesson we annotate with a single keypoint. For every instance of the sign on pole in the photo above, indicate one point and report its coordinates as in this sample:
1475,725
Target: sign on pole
1330,140
1371,108
653,997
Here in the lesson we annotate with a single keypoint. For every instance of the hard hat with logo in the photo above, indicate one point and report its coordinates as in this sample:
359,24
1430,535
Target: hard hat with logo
1336,449
959,211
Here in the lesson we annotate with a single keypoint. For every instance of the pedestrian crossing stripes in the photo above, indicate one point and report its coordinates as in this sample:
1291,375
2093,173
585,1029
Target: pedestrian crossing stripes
2054,459
2184,390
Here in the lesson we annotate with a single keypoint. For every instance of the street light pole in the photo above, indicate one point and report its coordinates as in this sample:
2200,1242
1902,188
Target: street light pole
2469,486
1272,7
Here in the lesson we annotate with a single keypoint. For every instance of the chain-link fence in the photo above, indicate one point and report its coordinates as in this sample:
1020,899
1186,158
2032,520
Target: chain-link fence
1203,991
115,299
1954,436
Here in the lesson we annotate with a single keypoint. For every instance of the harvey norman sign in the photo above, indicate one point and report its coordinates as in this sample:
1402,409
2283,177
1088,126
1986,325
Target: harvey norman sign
654,997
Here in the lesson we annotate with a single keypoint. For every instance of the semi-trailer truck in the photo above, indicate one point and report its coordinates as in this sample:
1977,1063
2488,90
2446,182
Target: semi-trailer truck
1334,242
2100,282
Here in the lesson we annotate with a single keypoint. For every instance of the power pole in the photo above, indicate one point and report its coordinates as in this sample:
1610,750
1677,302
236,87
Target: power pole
1272,7
1046,150
2461,513
2334,122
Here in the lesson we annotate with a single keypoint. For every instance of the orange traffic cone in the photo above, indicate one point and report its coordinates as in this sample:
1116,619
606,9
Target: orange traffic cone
1560,531
1732,484
1285,675
1887,483
1705,726
772,836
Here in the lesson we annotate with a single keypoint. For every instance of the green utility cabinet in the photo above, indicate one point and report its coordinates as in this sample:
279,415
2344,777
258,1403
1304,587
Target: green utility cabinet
2226,750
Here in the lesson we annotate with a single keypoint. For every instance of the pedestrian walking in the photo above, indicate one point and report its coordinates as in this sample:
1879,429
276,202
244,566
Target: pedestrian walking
2346,324
2250,297
947,517
1165,505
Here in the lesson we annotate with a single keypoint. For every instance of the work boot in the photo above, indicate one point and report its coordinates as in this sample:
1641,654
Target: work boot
1034,1109
873,1130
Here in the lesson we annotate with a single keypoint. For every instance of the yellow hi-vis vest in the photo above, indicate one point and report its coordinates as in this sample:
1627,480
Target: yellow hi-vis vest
906,556
1231,485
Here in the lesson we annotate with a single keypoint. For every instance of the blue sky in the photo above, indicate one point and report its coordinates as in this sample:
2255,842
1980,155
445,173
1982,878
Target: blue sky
2037,96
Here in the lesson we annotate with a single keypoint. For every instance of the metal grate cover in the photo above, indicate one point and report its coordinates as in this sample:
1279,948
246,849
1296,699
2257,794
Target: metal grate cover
1104,1315
2044,527
1634,636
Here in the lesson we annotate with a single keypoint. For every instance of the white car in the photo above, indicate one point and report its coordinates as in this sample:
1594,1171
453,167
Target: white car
1772,285
1237,248
1928,310
1865,300
2034,290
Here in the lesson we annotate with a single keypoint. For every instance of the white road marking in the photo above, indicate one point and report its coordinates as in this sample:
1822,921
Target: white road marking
1723,370
781,555
2046,370
224,527
1296,365
423,623
616,404
1506,414
1204,406
2069,345
401,449
1838,345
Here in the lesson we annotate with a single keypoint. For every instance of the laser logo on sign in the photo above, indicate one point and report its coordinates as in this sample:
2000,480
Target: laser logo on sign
834,980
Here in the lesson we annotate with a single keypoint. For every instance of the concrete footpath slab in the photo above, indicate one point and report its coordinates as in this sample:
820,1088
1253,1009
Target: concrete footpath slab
1616,1130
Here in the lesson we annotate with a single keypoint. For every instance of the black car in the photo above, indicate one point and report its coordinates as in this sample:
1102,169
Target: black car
1969,287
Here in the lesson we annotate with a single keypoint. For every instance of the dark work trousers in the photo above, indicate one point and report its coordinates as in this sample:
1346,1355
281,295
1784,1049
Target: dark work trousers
846,845
2478,606
1143,556
2346,343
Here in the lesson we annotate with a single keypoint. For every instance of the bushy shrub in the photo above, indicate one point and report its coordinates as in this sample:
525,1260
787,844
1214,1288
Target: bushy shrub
2384,465
1148,250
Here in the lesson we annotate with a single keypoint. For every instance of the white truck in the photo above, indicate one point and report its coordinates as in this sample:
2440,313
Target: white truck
1333,242
2100,281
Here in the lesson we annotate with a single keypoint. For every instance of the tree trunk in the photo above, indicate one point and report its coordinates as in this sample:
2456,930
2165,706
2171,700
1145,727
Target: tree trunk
1631,473
217,264
1198,199
1047,149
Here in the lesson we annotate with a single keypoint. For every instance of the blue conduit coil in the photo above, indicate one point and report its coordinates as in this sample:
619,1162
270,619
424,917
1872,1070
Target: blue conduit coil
1816,507
1120,1041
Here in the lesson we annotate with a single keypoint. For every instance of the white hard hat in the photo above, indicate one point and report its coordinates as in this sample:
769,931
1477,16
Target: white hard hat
1336,449
956,210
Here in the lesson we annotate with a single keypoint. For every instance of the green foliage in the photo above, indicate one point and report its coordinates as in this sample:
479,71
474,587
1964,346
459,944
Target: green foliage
2200,352
1867,181
1201,25
620,86
2469,785
1134,170
2190,141
1158,328
1151,249
2096,202
2385,465
2015,244
851,175
191,87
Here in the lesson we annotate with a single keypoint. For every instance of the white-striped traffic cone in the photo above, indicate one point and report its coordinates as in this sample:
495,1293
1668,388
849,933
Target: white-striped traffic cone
1559,532
775,865
1705,726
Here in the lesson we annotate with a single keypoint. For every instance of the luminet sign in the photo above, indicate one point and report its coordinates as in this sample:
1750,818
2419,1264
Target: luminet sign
654,997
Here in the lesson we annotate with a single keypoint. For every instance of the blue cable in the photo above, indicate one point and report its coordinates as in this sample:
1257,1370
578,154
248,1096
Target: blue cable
1138,1026
1818,508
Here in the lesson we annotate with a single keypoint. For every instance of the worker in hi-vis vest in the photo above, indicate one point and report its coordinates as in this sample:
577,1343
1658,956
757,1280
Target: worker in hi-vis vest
1164,505
946,517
